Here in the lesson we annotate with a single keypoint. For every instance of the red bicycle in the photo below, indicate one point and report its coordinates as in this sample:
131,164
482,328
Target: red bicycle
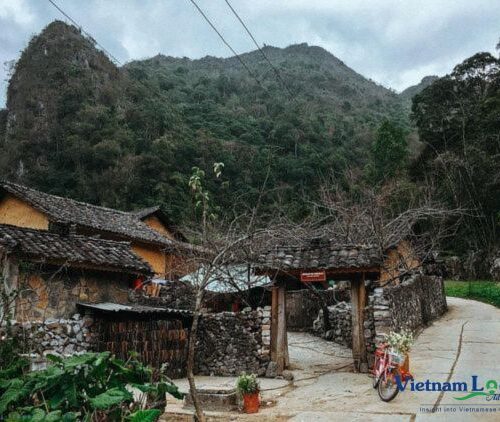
388,365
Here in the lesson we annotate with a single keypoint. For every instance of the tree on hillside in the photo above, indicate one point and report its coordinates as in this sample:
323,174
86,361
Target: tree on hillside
457,120
389,152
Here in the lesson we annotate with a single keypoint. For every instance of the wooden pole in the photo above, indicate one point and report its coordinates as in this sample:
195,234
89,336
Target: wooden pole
281,339
274,322
358,299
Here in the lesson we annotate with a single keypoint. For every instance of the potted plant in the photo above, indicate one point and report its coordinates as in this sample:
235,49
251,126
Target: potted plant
248,387
401,343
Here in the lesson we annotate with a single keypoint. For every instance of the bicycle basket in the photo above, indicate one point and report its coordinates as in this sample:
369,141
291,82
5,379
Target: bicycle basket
396,358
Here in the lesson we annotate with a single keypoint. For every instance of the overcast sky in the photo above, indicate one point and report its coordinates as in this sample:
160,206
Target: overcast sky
395,43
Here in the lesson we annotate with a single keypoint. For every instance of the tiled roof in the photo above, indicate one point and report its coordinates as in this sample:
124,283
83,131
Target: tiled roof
145,212
65,210
321,254
73,250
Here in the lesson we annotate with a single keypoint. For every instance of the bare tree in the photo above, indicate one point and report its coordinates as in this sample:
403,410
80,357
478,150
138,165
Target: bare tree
385,218
221,246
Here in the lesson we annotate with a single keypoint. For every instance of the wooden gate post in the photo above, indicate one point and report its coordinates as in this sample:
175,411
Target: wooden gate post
358,300
274,322
279,338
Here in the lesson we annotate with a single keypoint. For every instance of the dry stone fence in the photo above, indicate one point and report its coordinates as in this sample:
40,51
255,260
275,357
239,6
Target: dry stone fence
412,305
233,342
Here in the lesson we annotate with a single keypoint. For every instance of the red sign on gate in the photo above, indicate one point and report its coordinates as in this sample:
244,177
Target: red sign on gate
312,276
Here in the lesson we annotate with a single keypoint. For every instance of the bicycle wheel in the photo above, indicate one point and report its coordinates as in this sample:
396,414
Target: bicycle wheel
387,387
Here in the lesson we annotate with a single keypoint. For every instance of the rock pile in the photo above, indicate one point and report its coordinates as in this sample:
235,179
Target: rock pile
175,294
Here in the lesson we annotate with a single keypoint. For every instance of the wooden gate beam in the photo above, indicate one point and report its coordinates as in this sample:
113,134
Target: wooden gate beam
358,301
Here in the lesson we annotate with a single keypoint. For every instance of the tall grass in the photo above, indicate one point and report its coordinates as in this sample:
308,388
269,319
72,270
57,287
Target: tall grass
484,291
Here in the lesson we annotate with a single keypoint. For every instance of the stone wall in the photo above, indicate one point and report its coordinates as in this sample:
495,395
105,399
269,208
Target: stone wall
48,293
302,306
64,336
230,343
411,305
340,317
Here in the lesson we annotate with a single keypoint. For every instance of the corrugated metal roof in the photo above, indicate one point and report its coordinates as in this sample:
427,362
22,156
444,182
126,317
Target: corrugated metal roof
228,279
137,309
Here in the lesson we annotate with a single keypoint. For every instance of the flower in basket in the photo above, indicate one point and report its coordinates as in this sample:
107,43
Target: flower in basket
400,342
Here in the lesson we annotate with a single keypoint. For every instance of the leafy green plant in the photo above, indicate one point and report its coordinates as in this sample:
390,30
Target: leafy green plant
88,387
247,384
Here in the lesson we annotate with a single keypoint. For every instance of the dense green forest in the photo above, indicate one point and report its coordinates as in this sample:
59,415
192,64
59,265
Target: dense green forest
126,137
80,126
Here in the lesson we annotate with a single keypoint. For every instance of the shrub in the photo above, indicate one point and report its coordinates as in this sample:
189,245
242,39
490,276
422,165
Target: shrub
89,387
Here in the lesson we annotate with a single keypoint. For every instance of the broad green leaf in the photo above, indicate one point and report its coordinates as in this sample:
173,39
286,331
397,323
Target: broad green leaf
69,417
78,360
110,398
55,416
150,415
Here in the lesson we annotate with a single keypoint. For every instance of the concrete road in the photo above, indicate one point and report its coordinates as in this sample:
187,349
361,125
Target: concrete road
463,343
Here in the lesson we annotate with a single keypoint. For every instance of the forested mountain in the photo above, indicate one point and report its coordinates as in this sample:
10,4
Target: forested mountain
79,126
128,137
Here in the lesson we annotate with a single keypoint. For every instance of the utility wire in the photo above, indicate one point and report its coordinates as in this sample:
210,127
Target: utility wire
83,30
225,42
276,71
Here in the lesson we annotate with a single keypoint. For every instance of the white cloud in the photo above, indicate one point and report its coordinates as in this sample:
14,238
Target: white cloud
17,11
394,42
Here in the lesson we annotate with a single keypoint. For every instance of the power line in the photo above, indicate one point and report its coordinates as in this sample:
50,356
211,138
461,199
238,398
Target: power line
85,32
276,71
225,42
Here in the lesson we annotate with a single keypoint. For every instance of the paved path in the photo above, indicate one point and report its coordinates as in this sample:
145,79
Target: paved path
464,342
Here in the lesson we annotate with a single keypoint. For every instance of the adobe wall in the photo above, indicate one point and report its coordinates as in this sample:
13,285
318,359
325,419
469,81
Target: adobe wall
15,212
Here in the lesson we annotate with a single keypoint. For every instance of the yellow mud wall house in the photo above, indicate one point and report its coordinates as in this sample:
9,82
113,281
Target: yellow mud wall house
150,233
399,260
18,213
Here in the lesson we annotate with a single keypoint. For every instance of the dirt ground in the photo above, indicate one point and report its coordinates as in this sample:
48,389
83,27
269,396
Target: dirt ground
464,342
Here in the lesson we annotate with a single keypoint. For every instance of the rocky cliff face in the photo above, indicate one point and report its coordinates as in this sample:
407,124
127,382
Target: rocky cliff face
411,91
